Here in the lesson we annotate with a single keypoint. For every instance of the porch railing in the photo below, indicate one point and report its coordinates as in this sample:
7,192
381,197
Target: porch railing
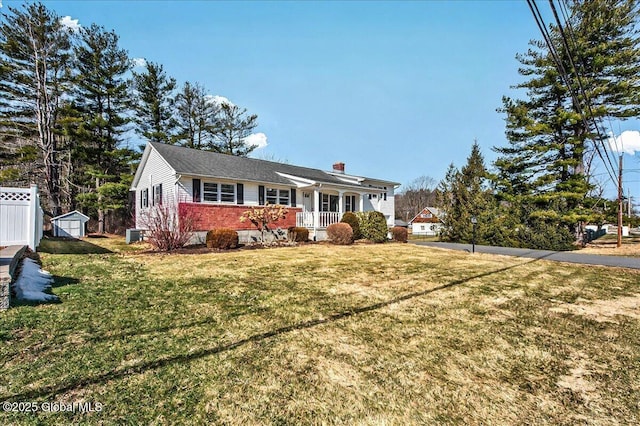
306,219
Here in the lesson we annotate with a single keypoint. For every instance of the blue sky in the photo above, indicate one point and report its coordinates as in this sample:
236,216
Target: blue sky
395,90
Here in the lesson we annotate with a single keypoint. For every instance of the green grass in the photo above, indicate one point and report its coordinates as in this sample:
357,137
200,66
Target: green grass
318,334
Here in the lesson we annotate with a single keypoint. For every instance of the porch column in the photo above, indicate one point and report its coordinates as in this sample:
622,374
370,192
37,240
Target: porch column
361,202
340,204
316,209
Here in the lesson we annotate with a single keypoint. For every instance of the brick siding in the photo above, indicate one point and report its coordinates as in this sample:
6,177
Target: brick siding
215,216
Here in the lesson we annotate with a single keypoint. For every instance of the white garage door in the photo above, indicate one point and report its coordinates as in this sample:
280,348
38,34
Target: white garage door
70,228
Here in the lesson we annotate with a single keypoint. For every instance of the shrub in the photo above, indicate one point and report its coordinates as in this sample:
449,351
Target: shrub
373,226
353,221
340,233
167,228
298,234
223,238
264,218
398,233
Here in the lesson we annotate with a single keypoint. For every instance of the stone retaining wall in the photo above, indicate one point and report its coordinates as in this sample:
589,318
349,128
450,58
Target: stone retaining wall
9,259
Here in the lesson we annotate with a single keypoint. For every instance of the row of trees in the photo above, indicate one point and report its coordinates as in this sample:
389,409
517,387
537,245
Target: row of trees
542,189
71,100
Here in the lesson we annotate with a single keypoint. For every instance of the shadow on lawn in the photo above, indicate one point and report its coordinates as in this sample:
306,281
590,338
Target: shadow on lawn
70,246
191,356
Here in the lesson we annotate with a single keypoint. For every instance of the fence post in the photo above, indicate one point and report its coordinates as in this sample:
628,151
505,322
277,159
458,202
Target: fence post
33,223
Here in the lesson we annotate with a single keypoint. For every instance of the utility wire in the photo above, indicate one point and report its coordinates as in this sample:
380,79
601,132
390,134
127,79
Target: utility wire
581,86
563,73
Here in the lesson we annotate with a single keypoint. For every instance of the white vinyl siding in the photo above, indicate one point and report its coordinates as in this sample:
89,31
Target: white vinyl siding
156,172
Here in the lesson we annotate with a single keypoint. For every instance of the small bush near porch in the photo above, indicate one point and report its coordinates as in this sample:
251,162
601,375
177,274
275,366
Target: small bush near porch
323,334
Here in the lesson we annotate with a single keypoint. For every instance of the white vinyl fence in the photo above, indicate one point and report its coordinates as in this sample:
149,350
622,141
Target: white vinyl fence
21,217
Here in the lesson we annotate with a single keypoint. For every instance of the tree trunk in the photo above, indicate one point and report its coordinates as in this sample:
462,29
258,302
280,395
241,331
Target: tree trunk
100,210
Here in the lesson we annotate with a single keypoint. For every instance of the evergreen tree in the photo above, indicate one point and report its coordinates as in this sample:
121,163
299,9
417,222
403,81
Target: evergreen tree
465,194
101,103
154,104
544,172
195,117
233,126
34,56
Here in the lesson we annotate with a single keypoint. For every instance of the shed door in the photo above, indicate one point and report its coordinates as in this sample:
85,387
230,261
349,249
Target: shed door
70,228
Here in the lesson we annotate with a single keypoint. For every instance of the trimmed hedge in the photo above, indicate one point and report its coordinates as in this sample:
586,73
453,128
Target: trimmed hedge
223,238
353,221
373,226
398,233
340,233
298,234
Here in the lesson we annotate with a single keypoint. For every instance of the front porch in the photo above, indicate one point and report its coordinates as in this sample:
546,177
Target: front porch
324,219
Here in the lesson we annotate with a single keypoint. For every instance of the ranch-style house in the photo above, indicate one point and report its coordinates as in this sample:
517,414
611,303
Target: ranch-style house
218,188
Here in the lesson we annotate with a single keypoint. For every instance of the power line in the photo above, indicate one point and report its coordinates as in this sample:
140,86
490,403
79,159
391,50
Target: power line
566,79
581,86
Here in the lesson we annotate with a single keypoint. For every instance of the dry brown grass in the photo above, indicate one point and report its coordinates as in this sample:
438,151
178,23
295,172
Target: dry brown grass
607,245
319,334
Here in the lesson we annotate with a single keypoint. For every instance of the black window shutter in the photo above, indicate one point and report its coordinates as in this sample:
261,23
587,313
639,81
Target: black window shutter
160,194
141,199
240,193
261,195
385,196
293,197
196,190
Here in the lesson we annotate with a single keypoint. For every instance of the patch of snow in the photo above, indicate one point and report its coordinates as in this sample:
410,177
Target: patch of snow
33,283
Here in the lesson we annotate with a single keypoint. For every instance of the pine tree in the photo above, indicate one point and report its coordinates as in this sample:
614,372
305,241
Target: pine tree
545,168
154,104
34,58
233,126
195,117
101,103
465,194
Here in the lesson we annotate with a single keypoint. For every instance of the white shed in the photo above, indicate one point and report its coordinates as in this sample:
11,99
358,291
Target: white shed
70,225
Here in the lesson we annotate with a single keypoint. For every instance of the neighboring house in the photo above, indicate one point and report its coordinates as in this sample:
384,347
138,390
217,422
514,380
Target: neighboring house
427,222
218,188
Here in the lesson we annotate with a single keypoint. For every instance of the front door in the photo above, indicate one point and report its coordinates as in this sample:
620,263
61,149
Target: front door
307,202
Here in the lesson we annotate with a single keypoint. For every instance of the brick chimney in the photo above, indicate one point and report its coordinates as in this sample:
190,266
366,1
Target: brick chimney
338,167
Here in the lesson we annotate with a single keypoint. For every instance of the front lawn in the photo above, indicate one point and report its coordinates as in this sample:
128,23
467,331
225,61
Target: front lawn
319,334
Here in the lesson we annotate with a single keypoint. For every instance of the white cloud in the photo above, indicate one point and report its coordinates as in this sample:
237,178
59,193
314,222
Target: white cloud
71,24
139,62
218,100
0,4
257,139
628,141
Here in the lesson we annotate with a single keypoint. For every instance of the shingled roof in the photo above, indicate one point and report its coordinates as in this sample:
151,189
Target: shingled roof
187,161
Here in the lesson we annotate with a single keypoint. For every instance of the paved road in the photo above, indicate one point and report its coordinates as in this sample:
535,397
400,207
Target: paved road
559,256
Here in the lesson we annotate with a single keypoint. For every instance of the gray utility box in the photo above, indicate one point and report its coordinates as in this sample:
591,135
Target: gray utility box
134,235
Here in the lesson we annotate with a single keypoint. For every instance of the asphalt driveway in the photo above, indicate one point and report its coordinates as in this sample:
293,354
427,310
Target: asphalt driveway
559,256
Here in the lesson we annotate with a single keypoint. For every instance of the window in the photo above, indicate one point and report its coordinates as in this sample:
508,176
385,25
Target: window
227,193
144,198
224,192
329,203
350,203
210,192
272,196
157,194
422,227
278,196
426,215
